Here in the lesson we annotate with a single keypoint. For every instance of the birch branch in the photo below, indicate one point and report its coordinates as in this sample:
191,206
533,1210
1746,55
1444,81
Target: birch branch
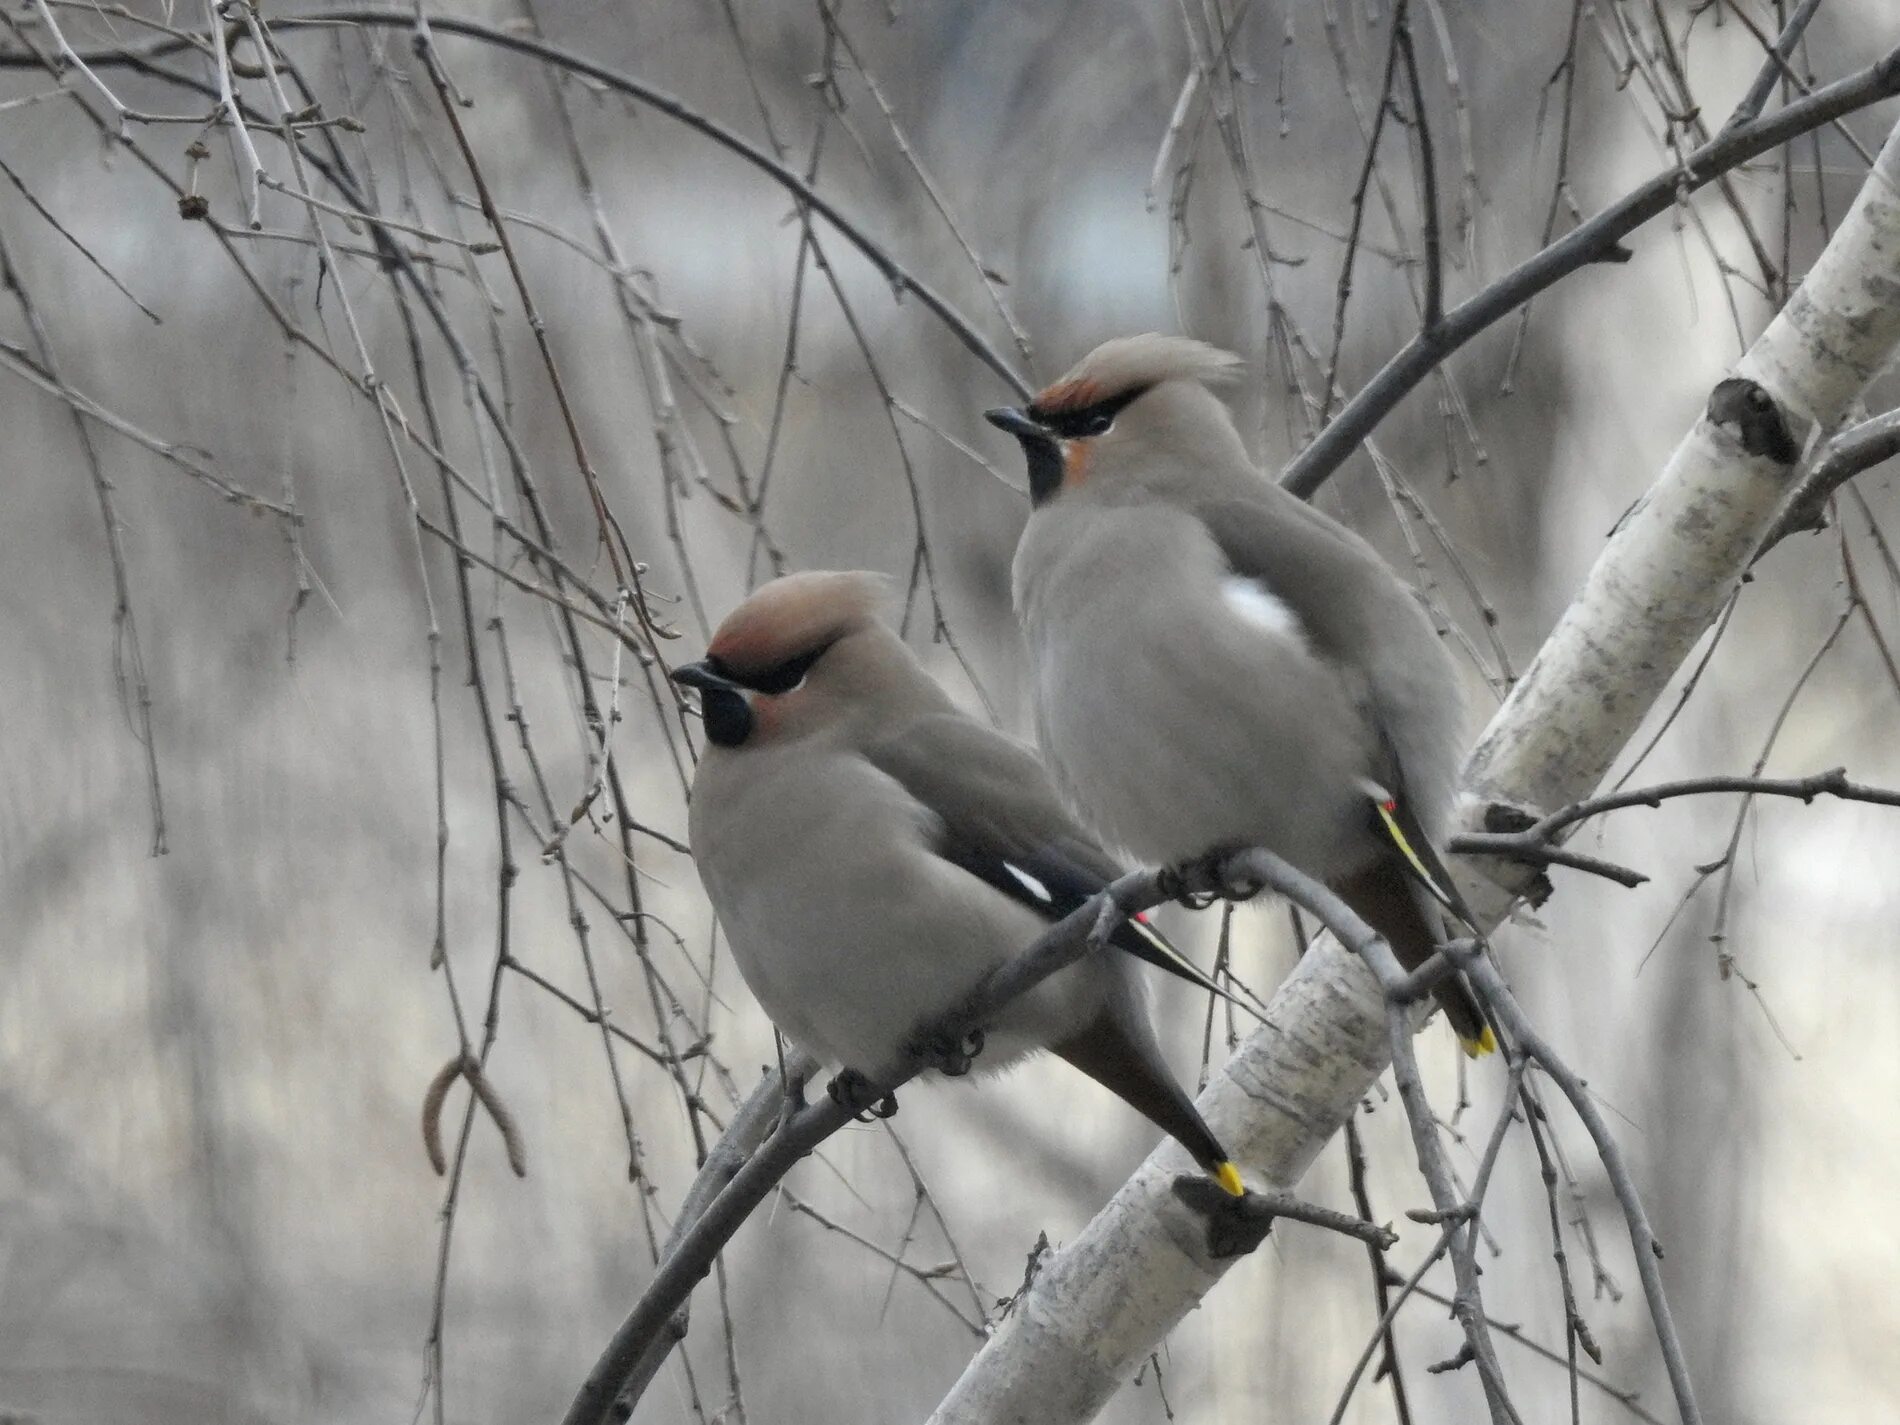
1673,562
1106,1300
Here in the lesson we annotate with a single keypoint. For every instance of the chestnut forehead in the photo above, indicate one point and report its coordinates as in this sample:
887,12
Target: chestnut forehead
759,638
740,641
1065,396
786,620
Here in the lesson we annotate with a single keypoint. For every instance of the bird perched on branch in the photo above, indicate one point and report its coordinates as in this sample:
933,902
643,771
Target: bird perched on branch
1216,664
873,853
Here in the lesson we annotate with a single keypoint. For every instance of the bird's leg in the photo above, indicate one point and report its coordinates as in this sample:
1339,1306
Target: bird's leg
1198,883
1180,884
950,1057
852,1091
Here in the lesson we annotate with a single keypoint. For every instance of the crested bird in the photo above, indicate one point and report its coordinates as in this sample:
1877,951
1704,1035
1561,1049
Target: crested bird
873,852
1216,664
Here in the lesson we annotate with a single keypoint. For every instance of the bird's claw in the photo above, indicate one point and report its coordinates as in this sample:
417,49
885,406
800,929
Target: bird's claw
951,1057
856,1094
1186,882
1176,883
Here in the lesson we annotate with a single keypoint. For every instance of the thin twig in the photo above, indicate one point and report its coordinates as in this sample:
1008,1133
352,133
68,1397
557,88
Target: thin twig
1597,240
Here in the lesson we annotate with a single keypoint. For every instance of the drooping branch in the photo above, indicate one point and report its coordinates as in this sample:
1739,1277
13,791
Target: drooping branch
900,277
1647,1251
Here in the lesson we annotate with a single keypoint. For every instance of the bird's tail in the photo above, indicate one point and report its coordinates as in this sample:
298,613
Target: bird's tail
1386,897
1124,1059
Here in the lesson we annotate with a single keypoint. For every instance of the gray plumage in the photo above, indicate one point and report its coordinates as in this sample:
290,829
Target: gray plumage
1216,664
872,852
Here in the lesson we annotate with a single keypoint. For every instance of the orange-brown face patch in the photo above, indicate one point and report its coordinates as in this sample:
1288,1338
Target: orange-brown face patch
767,713
1075,462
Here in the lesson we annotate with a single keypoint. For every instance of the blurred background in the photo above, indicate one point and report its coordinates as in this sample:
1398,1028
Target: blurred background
215,1203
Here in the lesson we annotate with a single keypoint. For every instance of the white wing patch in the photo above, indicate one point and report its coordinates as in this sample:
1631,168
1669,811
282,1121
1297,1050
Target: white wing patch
1029,883
1261,607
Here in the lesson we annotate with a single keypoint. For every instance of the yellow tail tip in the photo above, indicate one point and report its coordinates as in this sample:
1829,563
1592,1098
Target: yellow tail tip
1485,1043
1228,1176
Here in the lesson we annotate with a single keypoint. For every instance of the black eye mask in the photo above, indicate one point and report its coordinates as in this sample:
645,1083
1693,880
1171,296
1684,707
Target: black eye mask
1041,432
1089,420
724,711
785,676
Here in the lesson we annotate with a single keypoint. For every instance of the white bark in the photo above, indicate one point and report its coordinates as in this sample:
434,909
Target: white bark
1105,1301
1673,562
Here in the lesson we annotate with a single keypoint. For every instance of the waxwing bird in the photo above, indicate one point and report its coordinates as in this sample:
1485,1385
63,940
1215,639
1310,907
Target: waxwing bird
1216,664
872,853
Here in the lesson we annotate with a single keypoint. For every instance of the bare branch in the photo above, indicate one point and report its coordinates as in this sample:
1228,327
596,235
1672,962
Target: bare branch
1852,452
1594,241
1777,65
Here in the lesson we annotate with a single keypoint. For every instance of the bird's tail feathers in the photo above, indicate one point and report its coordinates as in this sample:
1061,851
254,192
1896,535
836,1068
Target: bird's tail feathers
1137,937
1387,897
1128,1064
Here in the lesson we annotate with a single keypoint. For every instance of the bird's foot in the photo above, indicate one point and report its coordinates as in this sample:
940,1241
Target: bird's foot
1235,1225
950,1057
1183,884
856,1094
1199,883
792,1101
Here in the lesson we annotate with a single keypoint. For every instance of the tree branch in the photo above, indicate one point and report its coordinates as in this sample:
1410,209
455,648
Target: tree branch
1669,567
900,278
1775,66
1852,452
1595,241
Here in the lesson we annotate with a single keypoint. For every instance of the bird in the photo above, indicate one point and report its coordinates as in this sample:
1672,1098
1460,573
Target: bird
1216,665
873,852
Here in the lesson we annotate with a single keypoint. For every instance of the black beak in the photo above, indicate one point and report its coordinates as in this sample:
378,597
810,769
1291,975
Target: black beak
704,675
1018,423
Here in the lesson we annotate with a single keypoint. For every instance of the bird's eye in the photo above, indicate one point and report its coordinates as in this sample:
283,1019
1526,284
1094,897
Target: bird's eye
787,675
1097,423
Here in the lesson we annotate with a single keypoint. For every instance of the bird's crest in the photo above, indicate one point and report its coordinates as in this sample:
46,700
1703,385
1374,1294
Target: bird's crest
794,615
1134,363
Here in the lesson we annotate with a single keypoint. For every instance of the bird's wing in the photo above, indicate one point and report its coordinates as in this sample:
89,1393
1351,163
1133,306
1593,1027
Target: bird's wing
1003,823
1356,614
1338,589
1317,568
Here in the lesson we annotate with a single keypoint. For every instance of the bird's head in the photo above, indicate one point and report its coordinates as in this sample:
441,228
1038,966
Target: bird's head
771,652
1129,393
